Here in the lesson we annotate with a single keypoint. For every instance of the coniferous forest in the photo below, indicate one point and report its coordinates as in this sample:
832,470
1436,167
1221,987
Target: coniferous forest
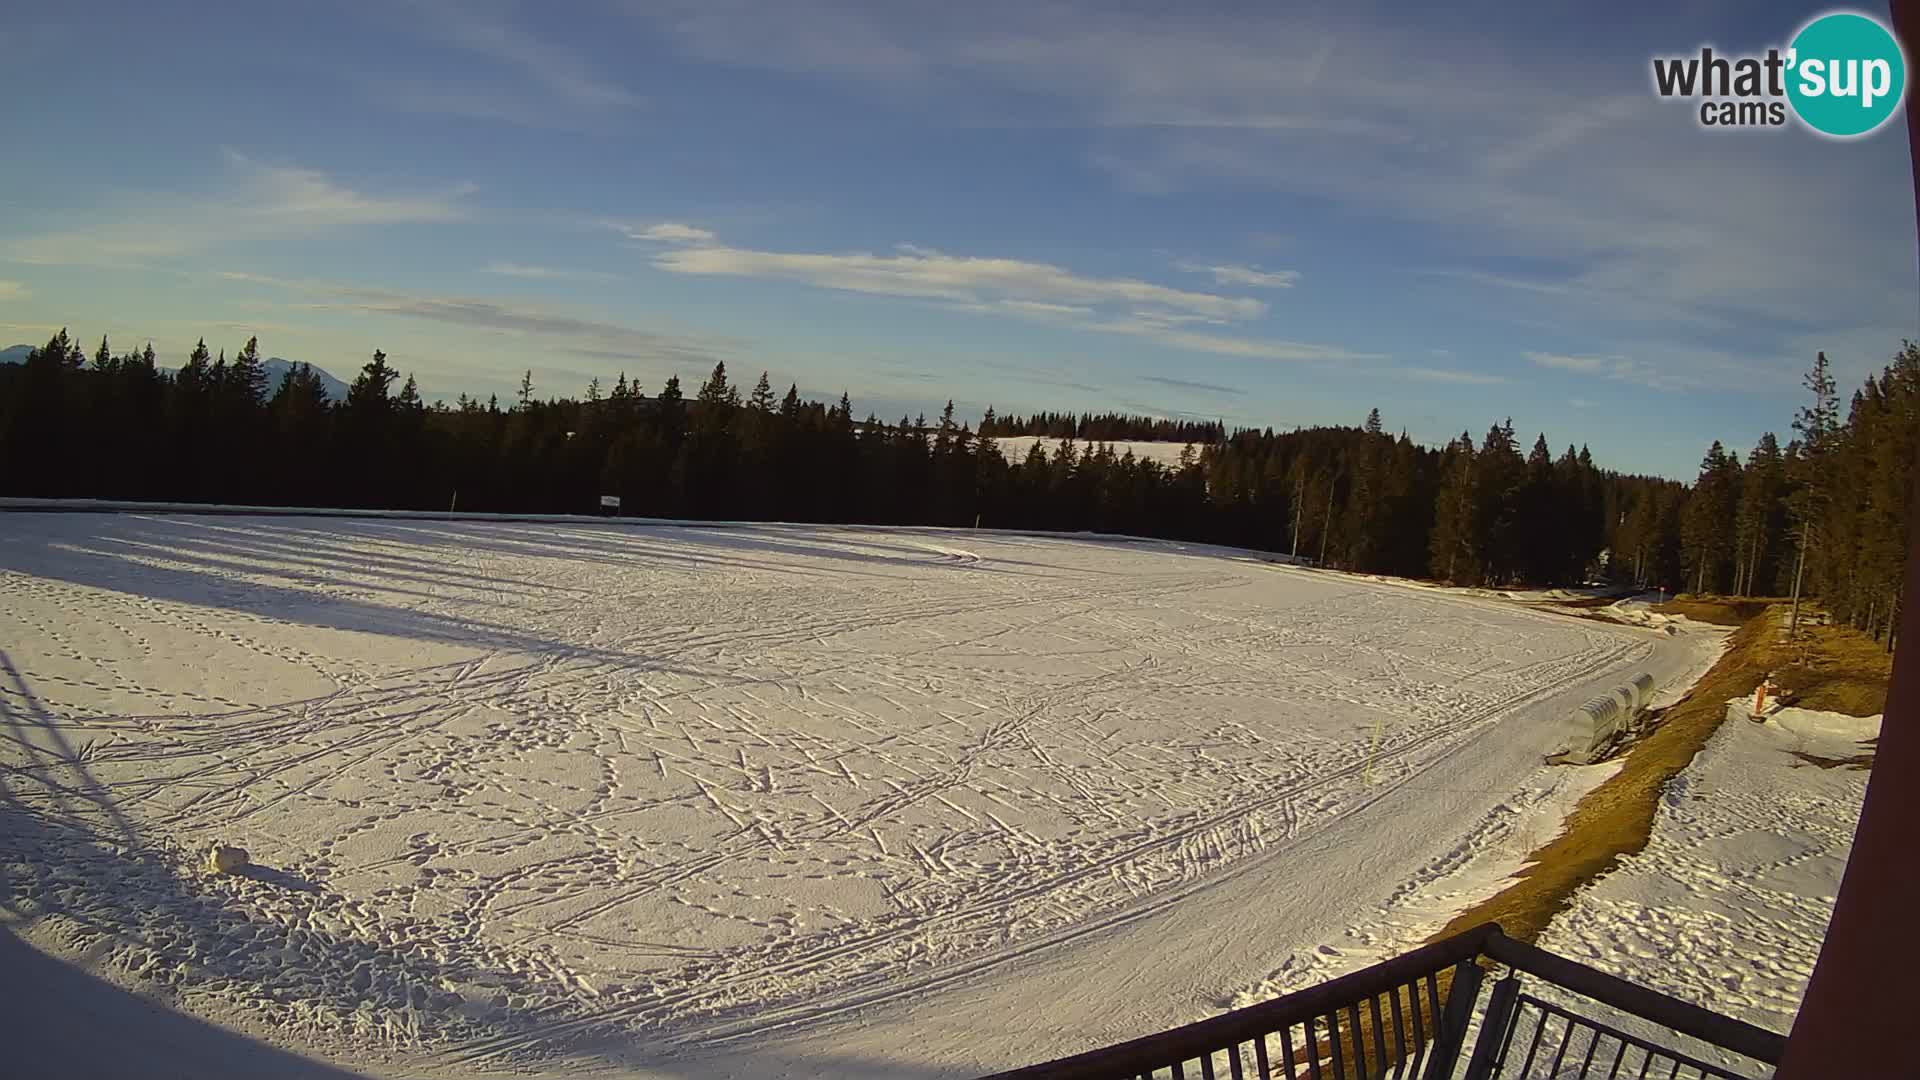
1829,505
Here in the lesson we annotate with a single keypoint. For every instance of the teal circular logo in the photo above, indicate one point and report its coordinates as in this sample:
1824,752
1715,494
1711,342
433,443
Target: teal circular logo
1846,74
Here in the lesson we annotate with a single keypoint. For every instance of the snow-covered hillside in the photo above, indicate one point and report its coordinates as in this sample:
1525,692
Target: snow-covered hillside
518,791
1016,448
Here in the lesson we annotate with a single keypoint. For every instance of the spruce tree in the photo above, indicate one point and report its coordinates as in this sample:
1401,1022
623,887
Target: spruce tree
369,395
1757,522
1815,423
1707,527
1455,544
193,375
247,377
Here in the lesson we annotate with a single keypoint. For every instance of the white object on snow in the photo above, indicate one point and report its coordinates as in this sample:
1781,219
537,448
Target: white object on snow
1596,725
225,859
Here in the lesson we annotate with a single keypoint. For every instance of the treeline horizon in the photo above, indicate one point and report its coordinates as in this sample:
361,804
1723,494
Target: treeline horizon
1104,427
1828,508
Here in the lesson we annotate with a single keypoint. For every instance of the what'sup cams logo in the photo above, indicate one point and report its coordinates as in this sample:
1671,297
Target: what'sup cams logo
1843,75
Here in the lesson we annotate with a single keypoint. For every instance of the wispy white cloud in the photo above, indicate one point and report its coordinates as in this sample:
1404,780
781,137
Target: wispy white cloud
663,232
1195,384
1253,122
1247,348
1500,281
14,290
1616,368
522,77
1565,131
1585,365
1020,288
1450,375
579,335
544,273
924,273
1251,277
492,102
249,201
1558,156
562,72
789,37
288,195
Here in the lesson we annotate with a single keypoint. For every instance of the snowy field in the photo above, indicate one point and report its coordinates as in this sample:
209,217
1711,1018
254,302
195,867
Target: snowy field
909,803
1729,902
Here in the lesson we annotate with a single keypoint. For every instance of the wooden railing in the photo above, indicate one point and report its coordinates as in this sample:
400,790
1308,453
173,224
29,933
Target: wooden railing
1409,1018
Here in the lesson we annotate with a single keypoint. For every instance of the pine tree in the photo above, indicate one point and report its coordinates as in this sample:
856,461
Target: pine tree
1815,423
1455,543
1364,510
300,411
1707,529
762,400
194,374
369,395
60,353
246,376
990,469
1757,521
1498,475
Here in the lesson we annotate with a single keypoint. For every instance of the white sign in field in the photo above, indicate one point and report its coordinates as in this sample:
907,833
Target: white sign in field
609,502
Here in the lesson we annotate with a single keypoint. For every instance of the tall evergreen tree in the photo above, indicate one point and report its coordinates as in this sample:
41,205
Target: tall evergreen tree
1816,423
370,394
1456,537
247,377
1707,530
1757,522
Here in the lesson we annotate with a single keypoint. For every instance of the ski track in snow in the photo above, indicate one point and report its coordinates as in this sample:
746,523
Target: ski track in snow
510,784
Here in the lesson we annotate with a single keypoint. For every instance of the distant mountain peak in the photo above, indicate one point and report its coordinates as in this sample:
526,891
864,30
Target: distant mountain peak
277,368
273,366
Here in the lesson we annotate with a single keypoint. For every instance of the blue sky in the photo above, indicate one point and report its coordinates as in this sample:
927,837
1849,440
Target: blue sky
1269,214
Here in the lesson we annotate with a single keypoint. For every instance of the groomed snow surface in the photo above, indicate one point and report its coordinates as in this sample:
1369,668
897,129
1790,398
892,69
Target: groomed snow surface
746,801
